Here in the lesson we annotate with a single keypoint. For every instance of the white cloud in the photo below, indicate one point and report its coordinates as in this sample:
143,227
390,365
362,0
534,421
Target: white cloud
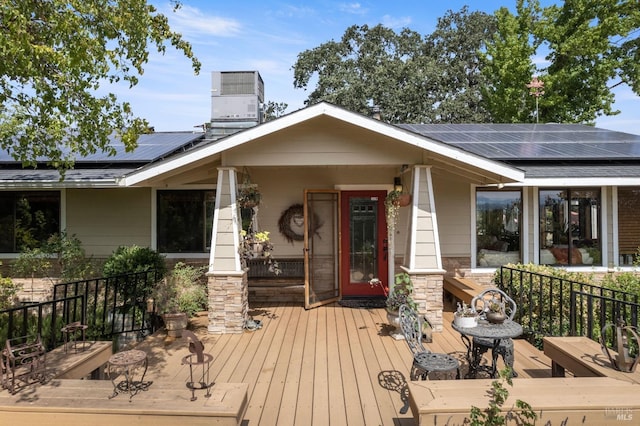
191,21
291,11
352,8
392,22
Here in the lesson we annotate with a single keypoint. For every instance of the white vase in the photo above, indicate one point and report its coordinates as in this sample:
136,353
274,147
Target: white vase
394,319
465,321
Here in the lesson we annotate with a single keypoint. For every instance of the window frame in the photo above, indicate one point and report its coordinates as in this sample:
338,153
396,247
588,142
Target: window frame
28,192
601,230
206,227
523,223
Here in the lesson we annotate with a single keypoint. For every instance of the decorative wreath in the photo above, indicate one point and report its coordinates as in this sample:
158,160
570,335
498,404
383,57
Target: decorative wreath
291,223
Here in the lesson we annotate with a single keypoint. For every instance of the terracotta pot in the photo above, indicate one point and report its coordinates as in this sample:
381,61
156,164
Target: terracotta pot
404,200
175,323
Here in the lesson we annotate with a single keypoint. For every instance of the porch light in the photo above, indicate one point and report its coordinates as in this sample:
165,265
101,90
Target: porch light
397,184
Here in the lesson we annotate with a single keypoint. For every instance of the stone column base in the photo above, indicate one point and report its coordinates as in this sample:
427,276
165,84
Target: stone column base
428,295
228,303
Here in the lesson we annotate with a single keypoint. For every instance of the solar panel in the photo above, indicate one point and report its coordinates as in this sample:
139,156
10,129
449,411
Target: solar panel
151,147
533,141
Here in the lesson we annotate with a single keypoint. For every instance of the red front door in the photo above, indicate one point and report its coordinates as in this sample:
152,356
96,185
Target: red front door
364,244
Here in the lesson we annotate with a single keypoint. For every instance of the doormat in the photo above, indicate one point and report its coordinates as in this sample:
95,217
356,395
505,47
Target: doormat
363,303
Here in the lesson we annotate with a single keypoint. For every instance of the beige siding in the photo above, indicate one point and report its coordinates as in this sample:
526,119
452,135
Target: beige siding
452,199
104,219
225,249
323,142
425,250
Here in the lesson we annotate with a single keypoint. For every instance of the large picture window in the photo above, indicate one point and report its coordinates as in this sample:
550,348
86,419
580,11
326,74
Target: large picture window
498,227
27,219
185,218
570,227
628,224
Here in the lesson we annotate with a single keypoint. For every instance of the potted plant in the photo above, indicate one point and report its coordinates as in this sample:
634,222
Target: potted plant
401,294
179,296
465,316
495,314
255,245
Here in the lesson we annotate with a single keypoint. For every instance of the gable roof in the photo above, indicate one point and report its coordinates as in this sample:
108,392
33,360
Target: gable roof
206,152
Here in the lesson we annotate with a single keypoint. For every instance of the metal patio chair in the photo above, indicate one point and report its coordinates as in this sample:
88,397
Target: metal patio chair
424,361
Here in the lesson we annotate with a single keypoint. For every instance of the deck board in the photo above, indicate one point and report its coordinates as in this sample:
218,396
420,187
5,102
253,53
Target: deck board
331,365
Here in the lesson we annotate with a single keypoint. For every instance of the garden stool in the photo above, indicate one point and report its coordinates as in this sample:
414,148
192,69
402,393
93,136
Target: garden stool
74,333
197,358
424,361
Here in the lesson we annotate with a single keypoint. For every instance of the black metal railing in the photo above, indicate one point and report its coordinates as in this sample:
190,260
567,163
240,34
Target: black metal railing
591,312
545,301
45,319
109,306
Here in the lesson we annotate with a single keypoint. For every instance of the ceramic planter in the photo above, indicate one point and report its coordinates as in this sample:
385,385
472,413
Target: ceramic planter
466,322
175,323
496,317
394,319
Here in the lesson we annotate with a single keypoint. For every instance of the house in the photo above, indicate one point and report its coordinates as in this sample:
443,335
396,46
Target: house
482,195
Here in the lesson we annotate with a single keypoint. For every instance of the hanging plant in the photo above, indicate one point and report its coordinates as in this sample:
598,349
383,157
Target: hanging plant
248,193
392,209
248,196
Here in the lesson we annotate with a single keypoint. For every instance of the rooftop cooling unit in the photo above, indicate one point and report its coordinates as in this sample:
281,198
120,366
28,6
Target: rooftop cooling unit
236,95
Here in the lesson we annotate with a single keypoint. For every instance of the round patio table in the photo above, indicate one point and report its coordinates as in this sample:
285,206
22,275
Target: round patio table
126,363
486,330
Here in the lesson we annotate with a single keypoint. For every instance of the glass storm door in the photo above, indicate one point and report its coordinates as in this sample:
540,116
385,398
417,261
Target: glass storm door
321,248
364,243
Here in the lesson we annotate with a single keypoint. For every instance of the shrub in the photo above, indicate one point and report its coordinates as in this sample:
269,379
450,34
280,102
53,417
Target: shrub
129,259
8,292
135,259
181,291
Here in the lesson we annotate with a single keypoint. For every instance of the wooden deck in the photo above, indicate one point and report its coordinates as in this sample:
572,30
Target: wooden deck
327,366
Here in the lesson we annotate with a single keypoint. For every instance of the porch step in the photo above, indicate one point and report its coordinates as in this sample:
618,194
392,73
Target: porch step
84,402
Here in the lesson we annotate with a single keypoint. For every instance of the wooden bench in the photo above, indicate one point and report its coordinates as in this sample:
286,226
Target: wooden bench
64,364
586,400
462,289
265,286
583,357
86,402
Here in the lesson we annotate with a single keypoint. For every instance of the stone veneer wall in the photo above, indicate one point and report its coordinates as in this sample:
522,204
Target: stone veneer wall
428,295
228,303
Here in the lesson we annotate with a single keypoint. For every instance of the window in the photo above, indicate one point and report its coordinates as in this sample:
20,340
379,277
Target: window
570,227
628,224
498,227
27,219
184,220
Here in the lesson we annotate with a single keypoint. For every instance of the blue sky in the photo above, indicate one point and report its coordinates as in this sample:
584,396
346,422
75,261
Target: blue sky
267,36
